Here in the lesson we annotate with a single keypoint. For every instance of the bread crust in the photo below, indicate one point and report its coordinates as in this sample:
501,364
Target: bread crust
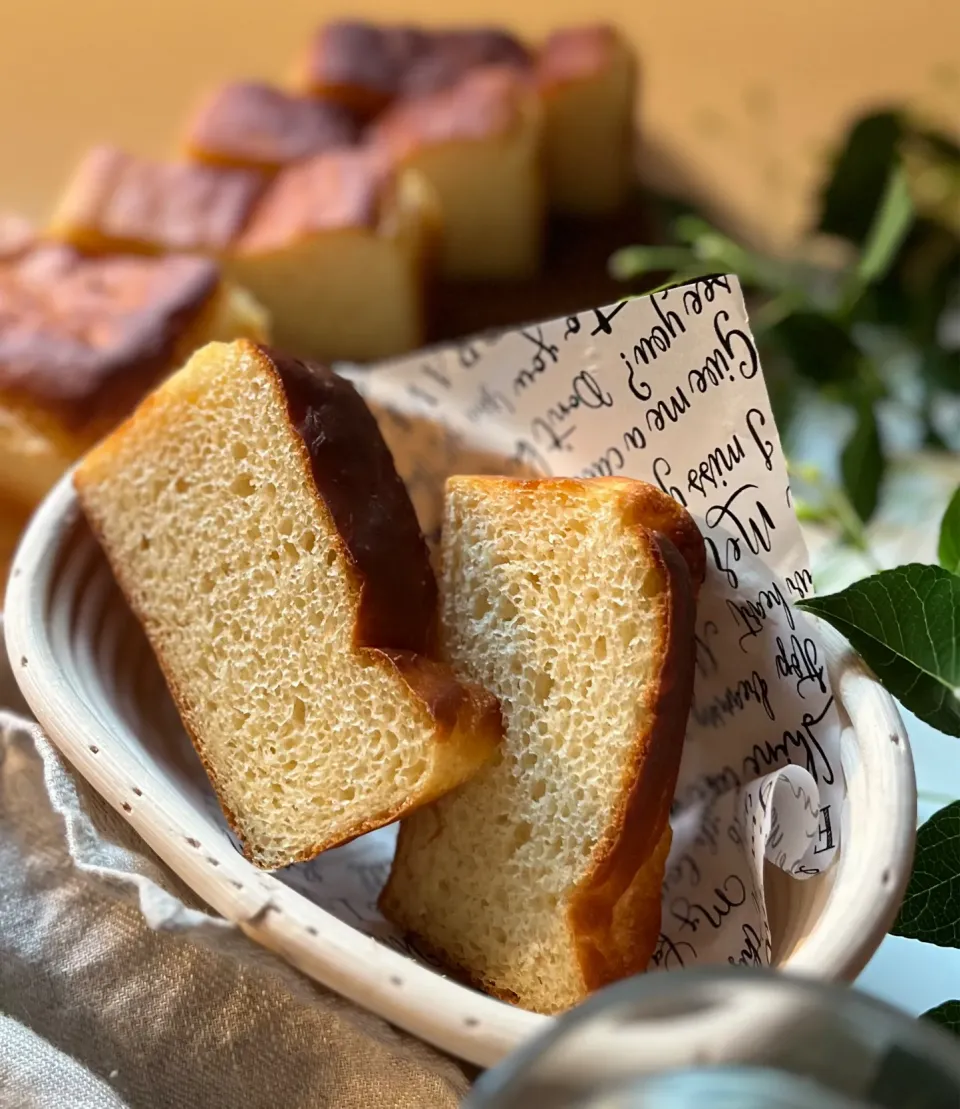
642,817
349,466
117,202
247,124
613,915
82,331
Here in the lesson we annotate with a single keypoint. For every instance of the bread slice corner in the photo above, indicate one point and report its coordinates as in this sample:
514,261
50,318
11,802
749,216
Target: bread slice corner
573,602
257,526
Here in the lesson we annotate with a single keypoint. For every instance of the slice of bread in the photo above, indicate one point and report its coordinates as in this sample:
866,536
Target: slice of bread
587,79
478,146
119,202
254,519
248,125
338,250
84,339
573,601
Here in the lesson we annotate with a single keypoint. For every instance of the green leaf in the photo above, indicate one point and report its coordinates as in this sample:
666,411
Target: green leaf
889,229
818,347
931,908
860,174
946,1015
635,261
862,464
906,625
948,549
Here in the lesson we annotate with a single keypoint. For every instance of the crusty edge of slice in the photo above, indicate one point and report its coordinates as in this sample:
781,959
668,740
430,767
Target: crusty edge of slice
605,951
467,720
611,944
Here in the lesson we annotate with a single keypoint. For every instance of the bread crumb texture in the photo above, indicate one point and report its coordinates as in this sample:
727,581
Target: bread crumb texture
557,605
206,507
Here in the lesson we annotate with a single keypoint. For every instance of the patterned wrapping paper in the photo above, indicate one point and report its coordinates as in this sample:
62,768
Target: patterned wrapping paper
667,388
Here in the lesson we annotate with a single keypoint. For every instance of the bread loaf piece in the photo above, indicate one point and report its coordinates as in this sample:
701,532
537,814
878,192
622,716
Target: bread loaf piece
338,250
118,202
587,81
540,879
478,145
366,67
82,340
247,125
254,519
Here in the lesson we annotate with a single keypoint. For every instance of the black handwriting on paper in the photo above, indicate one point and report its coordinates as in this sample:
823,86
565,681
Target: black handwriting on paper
641,389
734,699
661,474
550,429
824,832
713,909
755,421
714,468
662,335
489,402
700,290
430,379
684,869
754,952
634,439
800,661
731,550
602,319
670,955
803,742
545,351
608,464
800,583
751,615
468,355
736,343
753,525
704,659
668,410
708,787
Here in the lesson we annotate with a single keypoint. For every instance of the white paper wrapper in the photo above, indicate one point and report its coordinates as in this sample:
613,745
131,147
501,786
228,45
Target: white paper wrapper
667,388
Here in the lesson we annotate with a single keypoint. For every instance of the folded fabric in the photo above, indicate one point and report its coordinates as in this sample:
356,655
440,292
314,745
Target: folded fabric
120,990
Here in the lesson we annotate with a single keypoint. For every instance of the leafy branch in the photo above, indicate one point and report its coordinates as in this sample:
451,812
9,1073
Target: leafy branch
864,339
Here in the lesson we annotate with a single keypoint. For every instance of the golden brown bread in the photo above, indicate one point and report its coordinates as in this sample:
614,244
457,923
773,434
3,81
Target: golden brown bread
248,125
83,339
338,250
118,202
570,600
478,146
367,66
255,521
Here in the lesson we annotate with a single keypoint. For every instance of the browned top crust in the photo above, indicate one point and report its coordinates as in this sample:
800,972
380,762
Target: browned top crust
137,204
341,189
576,54
355,477
251,124
367,66
70,326
16,235
485,104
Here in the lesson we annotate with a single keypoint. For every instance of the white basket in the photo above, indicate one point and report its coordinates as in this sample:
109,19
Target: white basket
87,674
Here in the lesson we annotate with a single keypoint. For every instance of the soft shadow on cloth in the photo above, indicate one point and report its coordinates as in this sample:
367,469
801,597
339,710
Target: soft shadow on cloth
119,990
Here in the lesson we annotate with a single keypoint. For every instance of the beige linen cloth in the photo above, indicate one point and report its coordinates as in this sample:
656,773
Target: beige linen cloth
119,990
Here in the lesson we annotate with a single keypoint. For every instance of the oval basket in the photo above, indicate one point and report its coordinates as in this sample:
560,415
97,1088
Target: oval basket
87,673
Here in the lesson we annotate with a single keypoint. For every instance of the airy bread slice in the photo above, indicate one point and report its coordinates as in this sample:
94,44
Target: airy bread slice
540,879
254,519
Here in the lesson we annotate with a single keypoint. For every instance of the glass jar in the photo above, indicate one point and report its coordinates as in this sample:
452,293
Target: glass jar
729,1038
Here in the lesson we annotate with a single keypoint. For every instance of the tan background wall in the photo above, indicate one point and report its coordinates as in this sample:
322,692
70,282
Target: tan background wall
744,94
